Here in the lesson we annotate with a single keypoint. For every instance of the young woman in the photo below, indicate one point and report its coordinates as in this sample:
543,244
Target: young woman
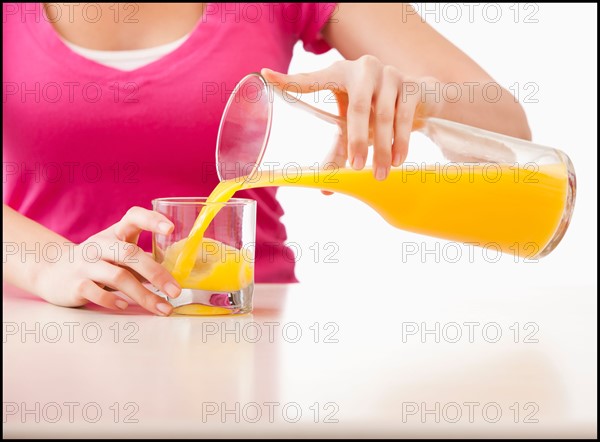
107,106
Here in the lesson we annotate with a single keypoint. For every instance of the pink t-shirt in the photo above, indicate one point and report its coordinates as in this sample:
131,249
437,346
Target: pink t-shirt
83,142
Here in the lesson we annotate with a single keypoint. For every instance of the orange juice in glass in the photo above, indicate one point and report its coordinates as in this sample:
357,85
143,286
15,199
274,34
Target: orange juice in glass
220,280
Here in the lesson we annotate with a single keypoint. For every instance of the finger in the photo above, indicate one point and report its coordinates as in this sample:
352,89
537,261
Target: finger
403,123
360,97
338,154
137,219
385,109
121,279
92,292
133,257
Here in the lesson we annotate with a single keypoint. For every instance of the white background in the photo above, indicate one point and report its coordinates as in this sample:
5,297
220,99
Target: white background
558,54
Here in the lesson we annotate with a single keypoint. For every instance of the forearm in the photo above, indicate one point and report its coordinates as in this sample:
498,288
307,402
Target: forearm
28,249
493,109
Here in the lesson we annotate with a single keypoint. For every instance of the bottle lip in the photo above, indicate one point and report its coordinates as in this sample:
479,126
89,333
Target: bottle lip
569,207
232,99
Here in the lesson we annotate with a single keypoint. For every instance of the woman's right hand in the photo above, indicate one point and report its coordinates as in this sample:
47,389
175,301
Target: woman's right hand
111,259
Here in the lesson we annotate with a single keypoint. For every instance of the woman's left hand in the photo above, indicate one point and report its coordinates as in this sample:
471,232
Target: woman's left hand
375,98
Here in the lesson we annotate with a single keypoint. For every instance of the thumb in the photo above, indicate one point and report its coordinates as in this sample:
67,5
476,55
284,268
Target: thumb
302,83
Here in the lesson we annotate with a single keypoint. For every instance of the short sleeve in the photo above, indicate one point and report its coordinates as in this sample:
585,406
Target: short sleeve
306,21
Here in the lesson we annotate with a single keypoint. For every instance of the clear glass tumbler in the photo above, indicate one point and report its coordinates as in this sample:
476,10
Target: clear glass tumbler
222,280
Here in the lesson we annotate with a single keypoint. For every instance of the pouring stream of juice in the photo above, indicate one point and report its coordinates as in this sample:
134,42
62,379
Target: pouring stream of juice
515,209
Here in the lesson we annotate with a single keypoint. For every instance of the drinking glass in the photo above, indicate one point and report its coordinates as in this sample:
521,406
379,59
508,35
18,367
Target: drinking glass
222,280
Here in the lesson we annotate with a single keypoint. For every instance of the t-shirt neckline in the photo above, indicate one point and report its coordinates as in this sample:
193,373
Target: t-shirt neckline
56,49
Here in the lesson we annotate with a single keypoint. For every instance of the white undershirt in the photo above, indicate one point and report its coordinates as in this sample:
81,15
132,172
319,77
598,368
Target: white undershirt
127,60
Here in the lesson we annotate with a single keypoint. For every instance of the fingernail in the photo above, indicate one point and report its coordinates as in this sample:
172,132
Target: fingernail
164,308
164,227
358,162
381,173
172,289
121,304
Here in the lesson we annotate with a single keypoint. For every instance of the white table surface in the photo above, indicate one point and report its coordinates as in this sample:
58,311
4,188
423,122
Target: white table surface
365,375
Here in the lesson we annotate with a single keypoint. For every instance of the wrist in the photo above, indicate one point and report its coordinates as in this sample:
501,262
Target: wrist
45,273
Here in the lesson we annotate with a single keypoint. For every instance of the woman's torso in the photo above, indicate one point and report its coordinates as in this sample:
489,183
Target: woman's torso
84,142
